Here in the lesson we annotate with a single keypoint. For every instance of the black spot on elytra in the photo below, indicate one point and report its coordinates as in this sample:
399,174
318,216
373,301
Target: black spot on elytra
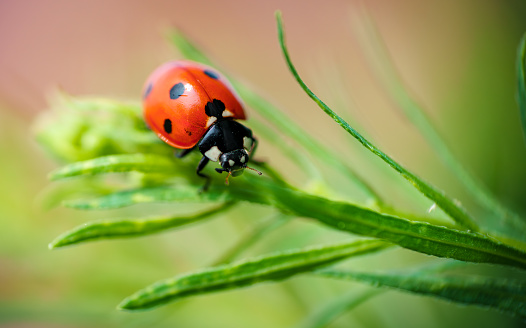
211,74
215,108
147,91
188,132
177,90
167,125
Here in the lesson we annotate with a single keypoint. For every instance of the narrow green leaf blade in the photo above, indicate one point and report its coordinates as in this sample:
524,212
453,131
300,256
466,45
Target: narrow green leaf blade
252,237
177,193
503,219
146,163
449,206
277,266
419,236
506,295
188,49
334,309
521,82
123,228
354,298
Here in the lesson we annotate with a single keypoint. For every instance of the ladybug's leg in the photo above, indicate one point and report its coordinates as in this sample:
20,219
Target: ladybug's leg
200,167
254,146
253,151
183,152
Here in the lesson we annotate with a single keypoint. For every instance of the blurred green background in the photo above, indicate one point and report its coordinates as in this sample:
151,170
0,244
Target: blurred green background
456,57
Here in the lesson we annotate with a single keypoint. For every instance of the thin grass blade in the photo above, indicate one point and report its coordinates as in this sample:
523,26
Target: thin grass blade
419,236
177,193
354,298
276,266
521,82
506,295
125,228
252,237
145,163
450,206
328,313
379,59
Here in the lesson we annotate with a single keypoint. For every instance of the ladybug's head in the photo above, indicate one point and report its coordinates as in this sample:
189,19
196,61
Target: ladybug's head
235,163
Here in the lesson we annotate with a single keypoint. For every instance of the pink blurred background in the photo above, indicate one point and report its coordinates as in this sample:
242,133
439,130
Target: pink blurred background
456,57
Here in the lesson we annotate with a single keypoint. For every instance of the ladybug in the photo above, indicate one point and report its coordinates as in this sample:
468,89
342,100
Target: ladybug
190,105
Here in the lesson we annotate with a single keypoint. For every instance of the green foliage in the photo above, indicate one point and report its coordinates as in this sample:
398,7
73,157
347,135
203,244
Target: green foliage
121,228
79,129
501,217
439,197
145,163
334,309
354,298
247,272
418,236
506,295
521,82
99,138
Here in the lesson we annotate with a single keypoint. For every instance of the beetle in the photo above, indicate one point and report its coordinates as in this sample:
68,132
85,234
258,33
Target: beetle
190,105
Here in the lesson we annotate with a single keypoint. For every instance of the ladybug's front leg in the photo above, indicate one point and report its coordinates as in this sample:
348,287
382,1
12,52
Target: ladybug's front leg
254,146
253,151
184,152
200,167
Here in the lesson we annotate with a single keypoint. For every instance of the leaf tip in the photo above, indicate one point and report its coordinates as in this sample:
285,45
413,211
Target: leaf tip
53,176
279,21
123,306
129,305
57,243
52,245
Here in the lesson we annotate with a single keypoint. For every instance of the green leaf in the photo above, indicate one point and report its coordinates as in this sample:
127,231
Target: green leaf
145,163
123,228
55,194
449,206
354,298
84,128
177,193
252,237
521,82
504,219
506,295
322,317
419,236
187,48
276,266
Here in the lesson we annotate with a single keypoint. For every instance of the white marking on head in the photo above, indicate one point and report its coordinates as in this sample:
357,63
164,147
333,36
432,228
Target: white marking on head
211,120
227,113
231,162
213,153
243,158
247,143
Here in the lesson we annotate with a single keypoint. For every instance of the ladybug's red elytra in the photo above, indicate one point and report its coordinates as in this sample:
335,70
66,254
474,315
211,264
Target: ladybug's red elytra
190,105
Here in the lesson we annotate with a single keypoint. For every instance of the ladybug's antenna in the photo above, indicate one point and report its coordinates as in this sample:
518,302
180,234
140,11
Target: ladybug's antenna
253,169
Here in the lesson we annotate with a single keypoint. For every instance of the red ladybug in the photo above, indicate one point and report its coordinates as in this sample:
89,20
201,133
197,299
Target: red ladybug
191,105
